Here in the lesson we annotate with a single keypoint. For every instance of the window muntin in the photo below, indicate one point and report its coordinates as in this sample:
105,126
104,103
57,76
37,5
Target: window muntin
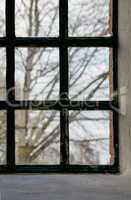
2,74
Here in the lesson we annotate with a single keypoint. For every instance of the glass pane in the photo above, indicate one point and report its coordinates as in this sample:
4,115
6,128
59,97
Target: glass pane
37,73
37,18
2,137
37,137
90,18
2,18
91,138
90,72
2,74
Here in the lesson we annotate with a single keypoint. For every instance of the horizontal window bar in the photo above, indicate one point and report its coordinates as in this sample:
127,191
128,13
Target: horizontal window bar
3,42
37,42
91,41
92,105
66,169
4,169
55,42
31,41
58,105
61,169
4,105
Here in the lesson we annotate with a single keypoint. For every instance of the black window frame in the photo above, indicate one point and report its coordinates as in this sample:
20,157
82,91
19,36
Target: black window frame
10,42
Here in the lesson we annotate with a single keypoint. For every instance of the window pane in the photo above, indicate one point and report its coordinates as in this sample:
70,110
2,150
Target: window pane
91,138
37,137
37,18
37,73
2,74
89,17
2,18
90,72
2,137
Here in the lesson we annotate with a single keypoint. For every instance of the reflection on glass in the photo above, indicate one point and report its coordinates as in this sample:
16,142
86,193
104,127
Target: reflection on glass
2,137
2,74
91,138
90,73
37,18
37,137
2,18
37,73
89,17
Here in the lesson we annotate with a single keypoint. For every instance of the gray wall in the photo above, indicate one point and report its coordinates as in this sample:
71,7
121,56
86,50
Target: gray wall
124,65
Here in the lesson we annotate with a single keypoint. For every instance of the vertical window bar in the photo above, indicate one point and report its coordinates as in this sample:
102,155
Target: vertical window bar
64,143
10,33
115,82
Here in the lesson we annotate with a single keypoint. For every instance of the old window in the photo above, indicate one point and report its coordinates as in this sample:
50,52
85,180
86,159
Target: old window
58,86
